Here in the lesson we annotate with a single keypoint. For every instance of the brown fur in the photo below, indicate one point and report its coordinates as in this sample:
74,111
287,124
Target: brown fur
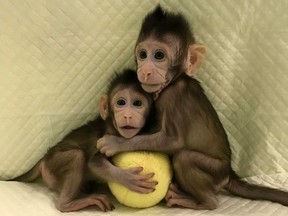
73,163
190,129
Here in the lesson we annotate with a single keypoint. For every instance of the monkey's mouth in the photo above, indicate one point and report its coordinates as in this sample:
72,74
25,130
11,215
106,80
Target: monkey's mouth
128,127
128,131
151,87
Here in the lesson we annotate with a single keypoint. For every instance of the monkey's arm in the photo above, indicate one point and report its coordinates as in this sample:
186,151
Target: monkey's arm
131,178
160,141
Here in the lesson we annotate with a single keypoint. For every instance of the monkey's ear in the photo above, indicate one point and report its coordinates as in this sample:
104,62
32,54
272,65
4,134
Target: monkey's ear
103,107
196,55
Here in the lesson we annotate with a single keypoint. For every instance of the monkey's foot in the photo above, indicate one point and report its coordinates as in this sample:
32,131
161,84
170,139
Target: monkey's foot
100,201
176,197
173,191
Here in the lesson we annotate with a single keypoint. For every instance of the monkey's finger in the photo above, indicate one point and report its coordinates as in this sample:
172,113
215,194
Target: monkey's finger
167,197
108,206
174,188
187,203
148,185
142,190
100,143
105,150
103,202
109,153
137,174
100,205
141,186
102,150
135,170
146,176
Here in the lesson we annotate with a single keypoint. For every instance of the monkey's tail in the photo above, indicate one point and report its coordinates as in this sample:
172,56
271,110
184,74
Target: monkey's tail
255,192
31,175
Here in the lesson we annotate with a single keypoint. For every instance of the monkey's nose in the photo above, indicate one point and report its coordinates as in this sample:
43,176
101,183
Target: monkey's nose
146,75
147,70
127,118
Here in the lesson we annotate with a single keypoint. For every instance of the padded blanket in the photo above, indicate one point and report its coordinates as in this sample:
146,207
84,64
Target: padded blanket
57,56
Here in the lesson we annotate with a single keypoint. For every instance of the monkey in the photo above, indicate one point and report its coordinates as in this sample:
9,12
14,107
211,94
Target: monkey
189,129
69,166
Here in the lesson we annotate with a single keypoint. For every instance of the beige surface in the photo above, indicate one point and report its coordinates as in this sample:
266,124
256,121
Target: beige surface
57,56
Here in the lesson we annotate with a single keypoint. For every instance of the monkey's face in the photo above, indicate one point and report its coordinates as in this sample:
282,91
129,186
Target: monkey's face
154,58
130,110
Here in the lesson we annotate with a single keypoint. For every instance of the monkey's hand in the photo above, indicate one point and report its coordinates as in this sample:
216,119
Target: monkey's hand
111,145
134,181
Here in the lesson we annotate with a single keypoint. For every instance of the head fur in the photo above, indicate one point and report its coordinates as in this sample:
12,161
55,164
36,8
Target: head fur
160,24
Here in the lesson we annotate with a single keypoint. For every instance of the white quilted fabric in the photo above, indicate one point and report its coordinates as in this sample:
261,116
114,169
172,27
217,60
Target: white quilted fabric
56,57
34,199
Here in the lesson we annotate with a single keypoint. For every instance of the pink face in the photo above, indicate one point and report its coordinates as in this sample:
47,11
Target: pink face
154,59
130,112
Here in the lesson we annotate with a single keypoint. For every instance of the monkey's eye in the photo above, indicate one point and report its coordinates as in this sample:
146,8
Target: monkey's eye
137,103
142,54
121,102
159,55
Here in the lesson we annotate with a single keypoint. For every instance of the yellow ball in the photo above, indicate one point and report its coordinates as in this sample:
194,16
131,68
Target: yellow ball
152,162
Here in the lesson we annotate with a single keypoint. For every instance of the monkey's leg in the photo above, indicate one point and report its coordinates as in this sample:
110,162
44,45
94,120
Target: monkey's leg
198,187
68,176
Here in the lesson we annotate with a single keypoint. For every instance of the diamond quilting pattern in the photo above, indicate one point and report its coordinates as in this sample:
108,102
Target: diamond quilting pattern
56,58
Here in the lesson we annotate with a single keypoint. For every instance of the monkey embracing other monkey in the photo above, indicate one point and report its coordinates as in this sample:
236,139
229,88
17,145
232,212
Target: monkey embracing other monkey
190,131
73,163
